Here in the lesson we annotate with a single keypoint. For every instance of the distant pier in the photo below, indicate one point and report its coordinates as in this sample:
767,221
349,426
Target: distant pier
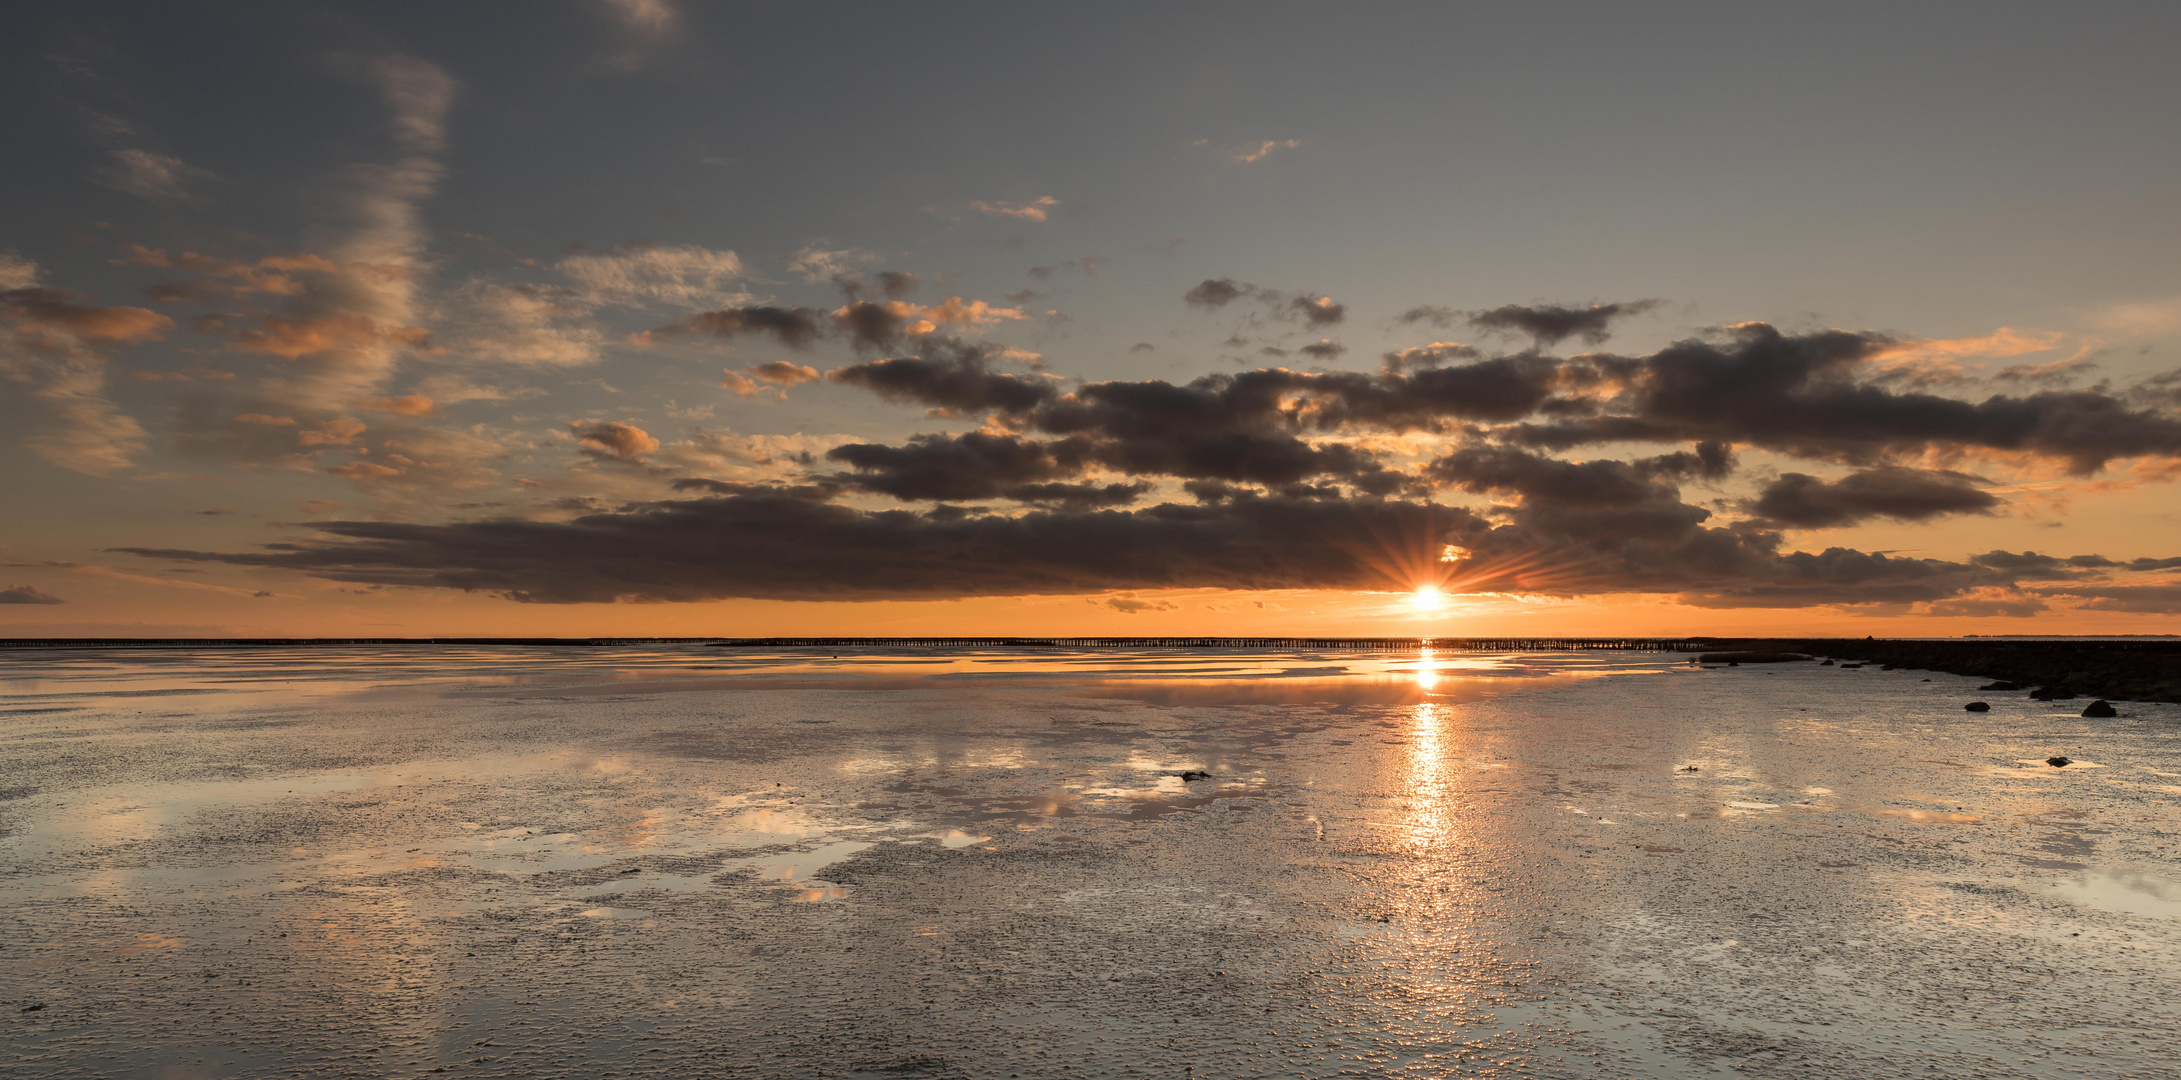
1308,644
1321,644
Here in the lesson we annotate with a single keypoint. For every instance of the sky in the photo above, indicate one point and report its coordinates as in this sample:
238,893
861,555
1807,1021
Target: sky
652,317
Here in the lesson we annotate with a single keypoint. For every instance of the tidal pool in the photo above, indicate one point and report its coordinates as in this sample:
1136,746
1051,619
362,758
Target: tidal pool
691,861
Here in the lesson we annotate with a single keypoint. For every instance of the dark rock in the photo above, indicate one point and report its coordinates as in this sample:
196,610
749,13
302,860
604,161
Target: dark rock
2052,693
2145,669
2100,708
1752,656
1195,774
1687,768
1978,706
34,1006
1828,662
2058,762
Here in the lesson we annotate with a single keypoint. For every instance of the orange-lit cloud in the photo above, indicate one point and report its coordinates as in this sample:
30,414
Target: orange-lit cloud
406,405
291,337
773,378
1933,359
57,346
614,441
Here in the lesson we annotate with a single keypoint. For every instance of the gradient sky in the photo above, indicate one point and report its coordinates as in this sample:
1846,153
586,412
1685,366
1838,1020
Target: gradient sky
657,317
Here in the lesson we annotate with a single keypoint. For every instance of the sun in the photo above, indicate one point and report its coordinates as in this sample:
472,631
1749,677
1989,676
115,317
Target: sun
1427,598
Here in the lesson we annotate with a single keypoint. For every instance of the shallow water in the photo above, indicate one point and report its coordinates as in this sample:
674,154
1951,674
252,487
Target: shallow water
708,862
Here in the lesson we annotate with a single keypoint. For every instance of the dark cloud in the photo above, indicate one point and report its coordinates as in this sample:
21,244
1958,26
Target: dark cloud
895,284
959,468
2032,564
818,490
1215,293
1143,346
796,328
1575,504
1433,314
1292,476
1808,502
1087,264
1220,427
1501,389
1709,461
1262,427
950,376
775,547
1078,497
1318,311
1798,394
1314,311
866,324
891,284
1794,394
2029,564
1327,349
1426,356
782,548
1551,324
871,325
27,594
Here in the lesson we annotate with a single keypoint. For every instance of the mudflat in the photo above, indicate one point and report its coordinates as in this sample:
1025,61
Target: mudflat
683,861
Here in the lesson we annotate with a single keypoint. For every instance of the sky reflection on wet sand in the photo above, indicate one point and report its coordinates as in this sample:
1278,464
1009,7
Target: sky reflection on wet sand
507,862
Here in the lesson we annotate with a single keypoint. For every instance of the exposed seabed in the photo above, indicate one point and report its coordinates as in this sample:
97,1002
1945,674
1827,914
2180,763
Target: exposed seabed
673,862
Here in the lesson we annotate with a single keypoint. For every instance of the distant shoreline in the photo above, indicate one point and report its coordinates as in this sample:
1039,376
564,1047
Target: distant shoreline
1640,643
2134,667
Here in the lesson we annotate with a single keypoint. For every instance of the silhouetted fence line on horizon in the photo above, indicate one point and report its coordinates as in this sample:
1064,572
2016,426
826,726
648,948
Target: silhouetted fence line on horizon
1373,644
1332,644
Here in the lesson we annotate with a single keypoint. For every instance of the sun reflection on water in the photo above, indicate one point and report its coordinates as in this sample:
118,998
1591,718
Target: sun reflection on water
1430,817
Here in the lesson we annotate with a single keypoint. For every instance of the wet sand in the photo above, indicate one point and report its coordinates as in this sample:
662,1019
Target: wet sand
691,862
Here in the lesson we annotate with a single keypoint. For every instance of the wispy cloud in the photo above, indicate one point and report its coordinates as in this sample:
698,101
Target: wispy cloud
816,262
645,16
640,275
58,346
1262,150
160,178
1035,210
345,330
94,570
